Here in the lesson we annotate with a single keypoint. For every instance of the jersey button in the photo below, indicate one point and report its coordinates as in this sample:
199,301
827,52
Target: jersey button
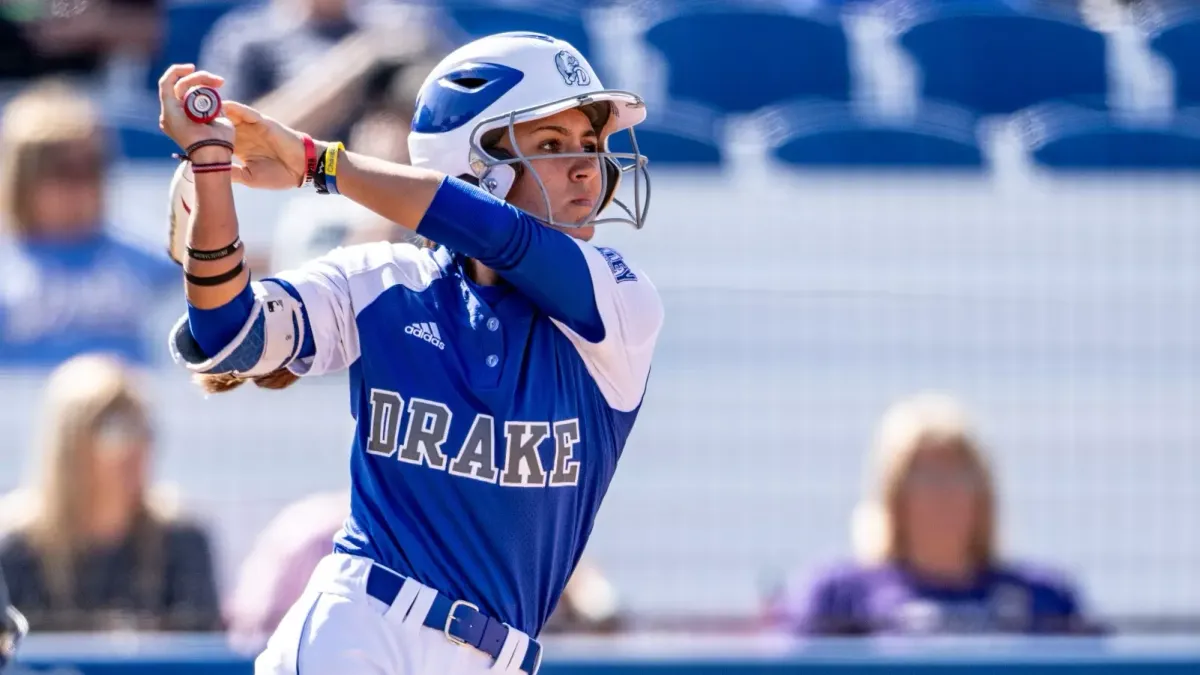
493,323
492,360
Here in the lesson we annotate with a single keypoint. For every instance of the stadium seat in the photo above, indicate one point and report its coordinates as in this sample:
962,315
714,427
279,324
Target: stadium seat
677,134
471,19
1178,40
832,136
187,24
1069,138
996,58
139,139
738,59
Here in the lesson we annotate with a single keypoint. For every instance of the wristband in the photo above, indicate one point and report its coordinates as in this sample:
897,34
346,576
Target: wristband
310,160
331,161
319,174
212,168
186,156
216,279
215,254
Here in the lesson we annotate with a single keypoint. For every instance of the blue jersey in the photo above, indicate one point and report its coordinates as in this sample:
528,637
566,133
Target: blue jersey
62,299
489,419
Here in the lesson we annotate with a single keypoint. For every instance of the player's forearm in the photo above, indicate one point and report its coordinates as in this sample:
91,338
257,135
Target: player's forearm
397,192
213,226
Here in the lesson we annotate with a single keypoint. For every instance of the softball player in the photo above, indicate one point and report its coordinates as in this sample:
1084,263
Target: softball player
494,377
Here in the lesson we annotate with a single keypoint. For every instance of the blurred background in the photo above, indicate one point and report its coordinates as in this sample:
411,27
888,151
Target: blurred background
931,364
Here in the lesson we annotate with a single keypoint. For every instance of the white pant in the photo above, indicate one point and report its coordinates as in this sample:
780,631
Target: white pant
336,628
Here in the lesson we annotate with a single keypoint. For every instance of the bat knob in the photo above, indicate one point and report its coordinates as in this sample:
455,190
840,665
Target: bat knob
202,104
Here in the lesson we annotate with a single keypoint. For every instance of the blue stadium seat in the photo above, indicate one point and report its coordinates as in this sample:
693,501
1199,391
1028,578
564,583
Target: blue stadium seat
738,59
832,136
471,19
997,58
1069,138
1178,40
187,24
139,142
677,134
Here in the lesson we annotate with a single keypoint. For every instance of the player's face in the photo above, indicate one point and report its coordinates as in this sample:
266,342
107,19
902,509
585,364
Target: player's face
572,183
940,501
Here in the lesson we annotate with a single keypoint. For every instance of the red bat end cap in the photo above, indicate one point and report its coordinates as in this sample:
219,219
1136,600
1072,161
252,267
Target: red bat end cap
202,104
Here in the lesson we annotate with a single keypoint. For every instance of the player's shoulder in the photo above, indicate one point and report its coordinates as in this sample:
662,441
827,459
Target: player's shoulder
616,261
850,576
1041,579
406,263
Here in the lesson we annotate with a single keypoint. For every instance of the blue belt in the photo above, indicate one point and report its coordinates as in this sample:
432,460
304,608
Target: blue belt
461,622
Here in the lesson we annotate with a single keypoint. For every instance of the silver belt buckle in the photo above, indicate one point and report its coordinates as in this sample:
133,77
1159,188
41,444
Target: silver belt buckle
450,618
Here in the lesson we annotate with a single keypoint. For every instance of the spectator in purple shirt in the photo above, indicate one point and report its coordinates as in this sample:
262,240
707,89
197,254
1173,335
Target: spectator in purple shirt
927,542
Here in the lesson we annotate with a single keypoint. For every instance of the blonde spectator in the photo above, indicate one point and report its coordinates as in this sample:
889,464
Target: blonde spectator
68,285
88,547
926,539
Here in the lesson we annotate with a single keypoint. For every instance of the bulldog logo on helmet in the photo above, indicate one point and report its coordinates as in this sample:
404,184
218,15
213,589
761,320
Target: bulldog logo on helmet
571,69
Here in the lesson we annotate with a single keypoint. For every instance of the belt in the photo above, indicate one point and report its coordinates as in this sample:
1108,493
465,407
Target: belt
461,622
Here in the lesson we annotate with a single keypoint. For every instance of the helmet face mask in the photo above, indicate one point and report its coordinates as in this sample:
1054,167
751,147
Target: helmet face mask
497,172
498,82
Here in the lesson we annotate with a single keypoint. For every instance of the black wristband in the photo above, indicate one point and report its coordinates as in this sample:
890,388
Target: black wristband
216,279
215,254
208,142
319,171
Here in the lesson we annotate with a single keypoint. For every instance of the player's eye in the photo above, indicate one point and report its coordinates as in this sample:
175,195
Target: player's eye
591,147
550,147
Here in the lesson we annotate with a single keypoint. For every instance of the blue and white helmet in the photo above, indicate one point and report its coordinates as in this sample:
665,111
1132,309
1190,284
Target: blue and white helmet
502,80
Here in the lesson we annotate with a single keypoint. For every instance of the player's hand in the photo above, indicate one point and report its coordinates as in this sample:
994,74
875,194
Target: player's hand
172,88
272,154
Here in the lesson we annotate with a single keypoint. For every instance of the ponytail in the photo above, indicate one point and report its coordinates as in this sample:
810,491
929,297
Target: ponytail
223,382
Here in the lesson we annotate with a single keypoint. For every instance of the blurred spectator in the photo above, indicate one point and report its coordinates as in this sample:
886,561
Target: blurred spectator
76,37
927,535
287,551
311,225
90,549
284,556
588,604
312,64
67,285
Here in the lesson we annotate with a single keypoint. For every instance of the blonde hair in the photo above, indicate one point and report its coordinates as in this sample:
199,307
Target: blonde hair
907,427
47,114
79,395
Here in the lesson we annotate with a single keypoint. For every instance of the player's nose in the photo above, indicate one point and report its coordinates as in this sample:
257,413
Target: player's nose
583,169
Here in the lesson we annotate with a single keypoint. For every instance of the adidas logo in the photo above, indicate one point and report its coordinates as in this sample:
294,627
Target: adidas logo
427,332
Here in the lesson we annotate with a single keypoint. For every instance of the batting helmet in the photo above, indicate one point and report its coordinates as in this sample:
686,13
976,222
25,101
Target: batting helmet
499,81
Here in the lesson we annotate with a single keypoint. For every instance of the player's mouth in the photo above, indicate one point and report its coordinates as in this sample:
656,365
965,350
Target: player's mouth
583,203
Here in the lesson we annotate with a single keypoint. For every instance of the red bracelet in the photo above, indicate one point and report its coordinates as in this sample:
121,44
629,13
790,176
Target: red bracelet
212,168
310,160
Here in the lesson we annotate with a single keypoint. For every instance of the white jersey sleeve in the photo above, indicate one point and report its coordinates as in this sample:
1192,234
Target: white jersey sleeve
334,288
632,314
